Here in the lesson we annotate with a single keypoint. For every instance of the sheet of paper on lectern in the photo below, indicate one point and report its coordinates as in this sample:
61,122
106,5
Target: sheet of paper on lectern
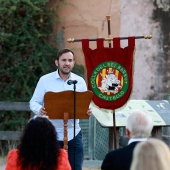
158,110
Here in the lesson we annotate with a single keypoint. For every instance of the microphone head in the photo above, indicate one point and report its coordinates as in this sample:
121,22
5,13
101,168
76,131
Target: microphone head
71,82
75,81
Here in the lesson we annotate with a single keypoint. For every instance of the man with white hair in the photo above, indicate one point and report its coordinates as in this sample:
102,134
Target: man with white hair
138,128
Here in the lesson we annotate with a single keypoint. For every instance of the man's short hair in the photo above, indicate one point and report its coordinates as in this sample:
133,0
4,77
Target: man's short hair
139,124
62,51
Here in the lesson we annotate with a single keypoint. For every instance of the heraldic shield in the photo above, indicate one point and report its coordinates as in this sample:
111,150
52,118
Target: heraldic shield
109,72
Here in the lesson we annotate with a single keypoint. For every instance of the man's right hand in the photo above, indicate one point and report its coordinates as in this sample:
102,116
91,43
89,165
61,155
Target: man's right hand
42,111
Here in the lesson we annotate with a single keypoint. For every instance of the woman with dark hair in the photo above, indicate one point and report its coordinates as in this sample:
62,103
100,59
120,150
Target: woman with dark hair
38,149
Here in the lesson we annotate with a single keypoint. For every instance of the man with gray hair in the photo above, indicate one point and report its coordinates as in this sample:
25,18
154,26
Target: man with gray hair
138,128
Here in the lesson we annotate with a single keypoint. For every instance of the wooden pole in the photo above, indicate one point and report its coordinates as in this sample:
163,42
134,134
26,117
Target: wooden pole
109,30
112,130
72,40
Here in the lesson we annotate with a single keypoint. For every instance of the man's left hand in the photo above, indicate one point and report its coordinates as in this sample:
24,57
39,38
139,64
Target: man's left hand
89,111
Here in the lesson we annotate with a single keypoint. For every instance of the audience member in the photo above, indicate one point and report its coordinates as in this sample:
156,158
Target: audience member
152,154
138,128
38,149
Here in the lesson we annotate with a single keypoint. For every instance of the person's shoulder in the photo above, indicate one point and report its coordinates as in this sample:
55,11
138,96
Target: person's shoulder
115,151
13,153
124,149
80,79
49,75
63,160
134,143
12,159
63,151
111,160
75,76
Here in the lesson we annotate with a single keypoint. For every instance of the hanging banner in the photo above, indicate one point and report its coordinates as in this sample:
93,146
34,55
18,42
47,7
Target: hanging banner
109,72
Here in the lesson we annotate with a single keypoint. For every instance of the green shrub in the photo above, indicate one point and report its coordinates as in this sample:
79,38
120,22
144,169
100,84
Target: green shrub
25,53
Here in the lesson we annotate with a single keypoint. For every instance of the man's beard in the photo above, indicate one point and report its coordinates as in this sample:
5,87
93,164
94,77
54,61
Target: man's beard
64,72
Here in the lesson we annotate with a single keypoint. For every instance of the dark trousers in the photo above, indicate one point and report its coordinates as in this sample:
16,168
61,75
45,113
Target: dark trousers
79,155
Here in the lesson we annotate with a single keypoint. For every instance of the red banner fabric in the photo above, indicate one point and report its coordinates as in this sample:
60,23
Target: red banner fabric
109,72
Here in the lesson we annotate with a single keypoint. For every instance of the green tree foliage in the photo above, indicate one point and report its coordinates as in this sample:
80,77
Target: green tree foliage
25,52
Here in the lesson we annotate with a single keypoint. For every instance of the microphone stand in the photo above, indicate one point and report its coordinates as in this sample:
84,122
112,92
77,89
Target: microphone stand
74,125
74,83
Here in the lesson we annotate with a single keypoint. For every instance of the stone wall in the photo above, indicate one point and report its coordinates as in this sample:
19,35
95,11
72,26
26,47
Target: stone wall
87,19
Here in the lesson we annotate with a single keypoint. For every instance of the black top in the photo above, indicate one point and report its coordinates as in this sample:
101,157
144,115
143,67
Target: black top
119,159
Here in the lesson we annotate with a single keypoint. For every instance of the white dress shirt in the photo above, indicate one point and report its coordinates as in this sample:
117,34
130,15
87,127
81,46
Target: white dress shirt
53,82
137,140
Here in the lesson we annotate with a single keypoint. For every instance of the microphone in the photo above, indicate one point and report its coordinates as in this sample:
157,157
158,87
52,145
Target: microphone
72,82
